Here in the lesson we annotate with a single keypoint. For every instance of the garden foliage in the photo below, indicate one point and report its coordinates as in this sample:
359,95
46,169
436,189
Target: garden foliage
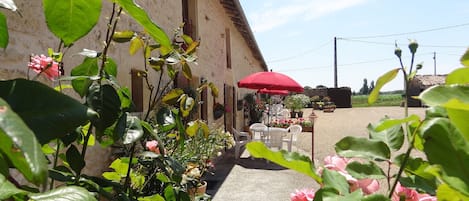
441,137
44,134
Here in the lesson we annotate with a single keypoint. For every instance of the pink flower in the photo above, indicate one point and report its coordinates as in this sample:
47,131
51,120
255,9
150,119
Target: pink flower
368,186
426,197
406,193
44,64
153,146
339,164
336,163
302,195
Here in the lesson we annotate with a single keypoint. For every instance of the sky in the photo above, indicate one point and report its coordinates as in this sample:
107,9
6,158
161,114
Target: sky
296,37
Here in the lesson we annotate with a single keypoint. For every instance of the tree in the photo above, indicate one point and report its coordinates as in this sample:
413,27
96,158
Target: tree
372,86
364,89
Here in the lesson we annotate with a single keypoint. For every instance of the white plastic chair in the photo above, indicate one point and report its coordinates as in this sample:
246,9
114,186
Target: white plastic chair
284,114
241,139
294,130
257,129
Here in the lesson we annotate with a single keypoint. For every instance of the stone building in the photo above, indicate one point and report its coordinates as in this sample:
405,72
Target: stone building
227,52
419,84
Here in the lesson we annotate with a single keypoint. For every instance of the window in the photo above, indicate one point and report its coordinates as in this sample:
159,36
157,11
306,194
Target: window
137,89
189,17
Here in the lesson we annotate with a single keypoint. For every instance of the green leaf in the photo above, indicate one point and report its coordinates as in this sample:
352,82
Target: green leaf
70,20
64,193
458,112
134,130
441,94
74,159
172,97
120,166
135,44
326,194
213,89
442,139
186,71
362,148
139,15
384,79
126,97
446,193
333,179
291,160
458,76
61,175
88,68
110,67
155,197
465,59
393,135
108,104
197,126
419,183
363,171
113,176
120,127
186,104
48,113
7,189
20,146
375,197
4,37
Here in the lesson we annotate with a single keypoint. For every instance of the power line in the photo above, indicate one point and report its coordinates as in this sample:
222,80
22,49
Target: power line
300,54
413,32
351,64
392,44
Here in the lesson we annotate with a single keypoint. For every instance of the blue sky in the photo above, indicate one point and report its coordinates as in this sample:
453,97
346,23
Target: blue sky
296,37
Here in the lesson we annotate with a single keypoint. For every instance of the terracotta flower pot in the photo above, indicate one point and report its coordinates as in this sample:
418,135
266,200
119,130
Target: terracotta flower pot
198,191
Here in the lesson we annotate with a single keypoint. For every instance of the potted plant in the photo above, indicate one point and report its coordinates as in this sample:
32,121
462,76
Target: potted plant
296,103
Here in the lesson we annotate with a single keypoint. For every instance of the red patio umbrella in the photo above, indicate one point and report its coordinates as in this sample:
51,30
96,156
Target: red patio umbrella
273,91
270,80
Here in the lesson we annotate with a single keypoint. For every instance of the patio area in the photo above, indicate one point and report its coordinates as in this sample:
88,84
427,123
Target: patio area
256,179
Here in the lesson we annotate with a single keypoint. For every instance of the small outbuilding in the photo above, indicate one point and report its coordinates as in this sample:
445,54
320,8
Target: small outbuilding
419,84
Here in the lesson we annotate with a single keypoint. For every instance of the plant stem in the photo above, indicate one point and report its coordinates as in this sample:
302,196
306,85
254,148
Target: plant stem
406,158
56,158
127,177
84,148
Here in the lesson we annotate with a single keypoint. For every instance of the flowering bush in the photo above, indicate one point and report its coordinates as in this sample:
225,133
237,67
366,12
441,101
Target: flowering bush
153,152
357,174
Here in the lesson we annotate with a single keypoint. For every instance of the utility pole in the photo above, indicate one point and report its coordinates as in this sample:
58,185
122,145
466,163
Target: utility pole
335,62
434,63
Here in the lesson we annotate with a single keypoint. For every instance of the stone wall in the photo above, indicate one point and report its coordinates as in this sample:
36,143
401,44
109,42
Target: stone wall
29,35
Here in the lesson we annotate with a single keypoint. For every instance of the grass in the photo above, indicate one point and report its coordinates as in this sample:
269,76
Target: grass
383,100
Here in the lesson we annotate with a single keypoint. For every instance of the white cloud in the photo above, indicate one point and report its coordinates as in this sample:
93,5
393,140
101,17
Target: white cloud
271,15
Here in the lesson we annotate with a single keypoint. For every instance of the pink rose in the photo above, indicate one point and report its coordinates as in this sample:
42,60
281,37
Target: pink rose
46,65
339,164
406,193
153,146
368,186
426,197
302,195
336,163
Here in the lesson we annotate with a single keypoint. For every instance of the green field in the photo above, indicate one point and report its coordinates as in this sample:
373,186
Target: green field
383,100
